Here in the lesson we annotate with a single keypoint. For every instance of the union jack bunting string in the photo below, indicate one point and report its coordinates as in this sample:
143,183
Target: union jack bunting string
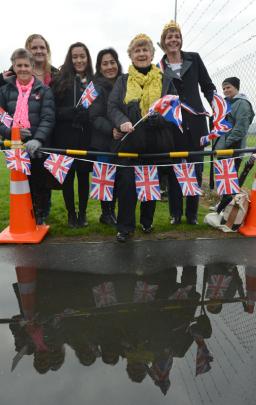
221,108
104,295
226,176
147,183
5,118
170,108
144,292
181,294
18,159
186,176
218,285
89,95
103,181
58,166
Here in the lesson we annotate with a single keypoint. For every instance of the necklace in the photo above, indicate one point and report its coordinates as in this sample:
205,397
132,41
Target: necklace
38,74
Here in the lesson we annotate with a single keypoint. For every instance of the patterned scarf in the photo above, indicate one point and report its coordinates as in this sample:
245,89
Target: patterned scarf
144,88
21,111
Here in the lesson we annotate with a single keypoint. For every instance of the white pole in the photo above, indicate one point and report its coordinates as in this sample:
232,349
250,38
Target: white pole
175,11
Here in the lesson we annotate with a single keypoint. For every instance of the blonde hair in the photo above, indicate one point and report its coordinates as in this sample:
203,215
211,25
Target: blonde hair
141,40
39,36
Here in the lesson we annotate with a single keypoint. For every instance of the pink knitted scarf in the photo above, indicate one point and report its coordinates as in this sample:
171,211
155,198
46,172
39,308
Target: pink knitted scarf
21,111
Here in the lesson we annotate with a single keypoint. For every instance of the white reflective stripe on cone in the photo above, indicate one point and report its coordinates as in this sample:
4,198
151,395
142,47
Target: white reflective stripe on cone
254,184
19,187
27,288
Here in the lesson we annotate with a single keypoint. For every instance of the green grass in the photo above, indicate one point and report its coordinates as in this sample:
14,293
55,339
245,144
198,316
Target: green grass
95,230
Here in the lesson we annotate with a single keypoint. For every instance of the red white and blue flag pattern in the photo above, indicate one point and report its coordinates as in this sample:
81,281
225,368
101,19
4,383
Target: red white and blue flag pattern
89,95
147,183
5,118
203,357
104,294
58,166
144,292
217,286
159,372
170,108
103,181
18,159
181,294
221,108
226,177
186,176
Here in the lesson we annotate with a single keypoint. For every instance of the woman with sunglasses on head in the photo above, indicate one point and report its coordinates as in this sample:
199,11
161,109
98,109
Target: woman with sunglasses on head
72,130
108,68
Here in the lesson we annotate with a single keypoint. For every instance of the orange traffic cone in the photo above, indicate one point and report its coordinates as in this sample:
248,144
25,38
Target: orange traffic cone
23,228
26,277
251,288
249,227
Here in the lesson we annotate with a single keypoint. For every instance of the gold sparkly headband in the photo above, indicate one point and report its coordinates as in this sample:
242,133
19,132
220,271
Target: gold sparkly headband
172,25
141,37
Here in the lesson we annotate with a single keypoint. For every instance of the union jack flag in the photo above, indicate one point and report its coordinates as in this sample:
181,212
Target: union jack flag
103,181
181,293
89,95
203,357
159,372
147,183
104,295
58,166
5,118
18,159
226,177
186,176
221,108
218,285
144,292
170,108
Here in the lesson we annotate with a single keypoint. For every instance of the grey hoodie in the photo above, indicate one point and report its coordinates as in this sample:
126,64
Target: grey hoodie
240,117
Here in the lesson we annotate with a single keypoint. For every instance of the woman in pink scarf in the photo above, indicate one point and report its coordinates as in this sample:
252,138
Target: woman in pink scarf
31,104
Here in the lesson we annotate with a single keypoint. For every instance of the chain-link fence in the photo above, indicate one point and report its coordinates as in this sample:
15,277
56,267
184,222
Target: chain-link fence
243,68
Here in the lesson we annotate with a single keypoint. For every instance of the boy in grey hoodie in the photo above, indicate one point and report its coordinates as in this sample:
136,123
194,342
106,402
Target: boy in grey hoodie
240,117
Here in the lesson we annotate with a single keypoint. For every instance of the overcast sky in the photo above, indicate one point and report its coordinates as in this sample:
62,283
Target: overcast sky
206,24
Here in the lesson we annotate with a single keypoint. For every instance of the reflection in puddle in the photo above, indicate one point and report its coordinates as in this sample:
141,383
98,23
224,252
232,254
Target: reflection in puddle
171,327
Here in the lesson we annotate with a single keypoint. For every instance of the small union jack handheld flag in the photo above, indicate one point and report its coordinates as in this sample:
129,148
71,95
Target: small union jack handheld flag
221,108
103,181
170,108
89,95
18,159
58,166
5,118
147,183
203,357
226,177
186,176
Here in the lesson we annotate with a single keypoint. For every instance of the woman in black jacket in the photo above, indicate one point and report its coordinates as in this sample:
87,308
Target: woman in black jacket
31,104
72,130
130,100
184,72
108,68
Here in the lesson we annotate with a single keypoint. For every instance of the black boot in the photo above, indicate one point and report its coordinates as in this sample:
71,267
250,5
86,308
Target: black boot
81,220
72,220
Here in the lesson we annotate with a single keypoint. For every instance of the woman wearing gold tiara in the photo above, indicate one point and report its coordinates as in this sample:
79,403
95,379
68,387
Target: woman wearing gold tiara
131,97
185,71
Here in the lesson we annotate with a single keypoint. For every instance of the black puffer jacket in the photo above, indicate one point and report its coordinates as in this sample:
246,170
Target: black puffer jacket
41,109
72,129
144,139
102,127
